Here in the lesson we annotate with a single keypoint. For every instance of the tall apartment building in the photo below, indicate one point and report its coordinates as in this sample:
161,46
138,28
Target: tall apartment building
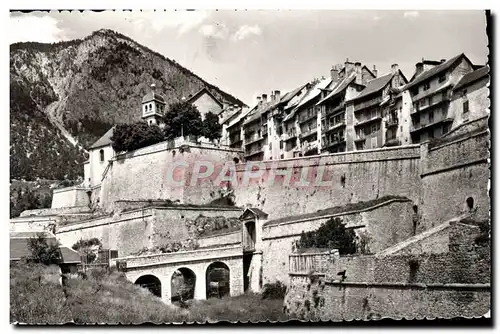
367,111
354,109
428,96
337,130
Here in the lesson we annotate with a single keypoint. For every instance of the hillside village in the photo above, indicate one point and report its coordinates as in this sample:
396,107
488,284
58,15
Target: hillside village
402,162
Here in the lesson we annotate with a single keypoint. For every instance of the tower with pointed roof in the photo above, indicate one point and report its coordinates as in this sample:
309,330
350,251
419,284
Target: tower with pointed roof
153,107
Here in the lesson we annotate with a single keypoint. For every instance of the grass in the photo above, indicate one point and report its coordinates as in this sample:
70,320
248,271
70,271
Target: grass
109,298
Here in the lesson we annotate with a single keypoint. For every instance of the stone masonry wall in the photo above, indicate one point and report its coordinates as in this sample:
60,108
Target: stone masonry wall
132,231
455,283
384,225
451,173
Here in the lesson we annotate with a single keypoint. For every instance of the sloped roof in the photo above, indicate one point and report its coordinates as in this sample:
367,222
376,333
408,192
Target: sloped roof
105,140
152,97
288,96
315,91
256,212
472,77
341,86
374,86
200,93
69,255
434,71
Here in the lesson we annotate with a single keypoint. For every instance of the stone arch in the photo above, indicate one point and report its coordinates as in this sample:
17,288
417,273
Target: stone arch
470,203
150,282
182,285
217,278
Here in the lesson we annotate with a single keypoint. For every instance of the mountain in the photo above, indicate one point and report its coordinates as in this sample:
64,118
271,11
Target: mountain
64,96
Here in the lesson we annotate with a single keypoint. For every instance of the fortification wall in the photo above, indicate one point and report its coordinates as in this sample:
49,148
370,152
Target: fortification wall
70,197
453,283
143,174
132,231
382,225
452,172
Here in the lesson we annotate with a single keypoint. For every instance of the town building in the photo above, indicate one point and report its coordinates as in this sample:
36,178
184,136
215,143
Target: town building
470,97
335,123
428,96
366,109
153,107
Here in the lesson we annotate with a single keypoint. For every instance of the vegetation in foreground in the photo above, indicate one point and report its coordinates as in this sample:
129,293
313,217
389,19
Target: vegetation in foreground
107,297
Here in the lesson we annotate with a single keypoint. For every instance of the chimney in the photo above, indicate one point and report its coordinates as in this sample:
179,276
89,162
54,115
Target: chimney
259,101
443,60
349,67
334,73
419,68
272,96
264,98
277,95
359,73
395,68
375,71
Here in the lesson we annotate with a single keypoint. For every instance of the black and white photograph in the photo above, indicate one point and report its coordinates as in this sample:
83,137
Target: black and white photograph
180,166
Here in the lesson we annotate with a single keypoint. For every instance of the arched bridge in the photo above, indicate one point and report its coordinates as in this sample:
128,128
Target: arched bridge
190,274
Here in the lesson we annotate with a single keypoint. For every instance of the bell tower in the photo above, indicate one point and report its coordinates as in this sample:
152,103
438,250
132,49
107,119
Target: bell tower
153,107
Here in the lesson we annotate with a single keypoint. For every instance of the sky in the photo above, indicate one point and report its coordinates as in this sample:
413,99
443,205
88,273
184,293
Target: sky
249,53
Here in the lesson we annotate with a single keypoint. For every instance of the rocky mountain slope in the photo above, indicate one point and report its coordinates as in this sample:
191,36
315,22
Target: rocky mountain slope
64,96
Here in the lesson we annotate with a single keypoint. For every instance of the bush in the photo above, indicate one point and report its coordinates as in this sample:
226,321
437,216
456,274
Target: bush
42,251
274,291
88,248
128,137
332,235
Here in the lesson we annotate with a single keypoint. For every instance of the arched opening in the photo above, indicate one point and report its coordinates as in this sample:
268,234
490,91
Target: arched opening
150,282
101,154
217,280
470,203
182,285
236,160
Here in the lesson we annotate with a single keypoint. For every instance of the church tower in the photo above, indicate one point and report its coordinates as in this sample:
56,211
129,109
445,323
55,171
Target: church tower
153,107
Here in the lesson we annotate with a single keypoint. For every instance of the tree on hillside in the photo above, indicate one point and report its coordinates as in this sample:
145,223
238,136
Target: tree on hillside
127,137
211,128
182,119
88,248
331,234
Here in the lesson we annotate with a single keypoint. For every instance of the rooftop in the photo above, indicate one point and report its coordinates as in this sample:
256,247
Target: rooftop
152,97
434,71
374,86
472,77
105,140
340,87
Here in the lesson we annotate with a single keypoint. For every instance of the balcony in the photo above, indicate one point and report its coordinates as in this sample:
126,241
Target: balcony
252,139
359,139
309,133
307,118
309,146
289,135
435,102
366,104
335,126
391,122
366,121
251,153
423,126
333,142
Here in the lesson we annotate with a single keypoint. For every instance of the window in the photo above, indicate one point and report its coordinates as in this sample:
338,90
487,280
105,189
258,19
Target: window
281,145
150,106
427,86
464,93
431,116
442,78
101,155
466,107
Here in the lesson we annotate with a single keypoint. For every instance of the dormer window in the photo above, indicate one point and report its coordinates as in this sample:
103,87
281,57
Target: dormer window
101,155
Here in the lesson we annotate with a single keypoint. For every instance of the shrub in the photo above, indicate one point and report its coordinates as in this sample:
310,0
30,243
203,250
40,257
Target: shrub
88,248
332,235
42,251
274,291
